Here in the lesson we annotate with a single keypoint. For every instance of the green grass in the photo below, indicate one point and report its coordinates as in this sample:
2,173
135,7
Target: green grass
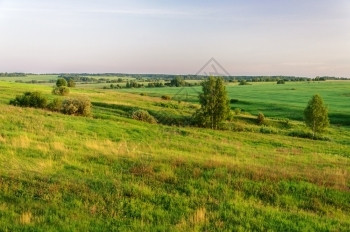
281,101
111,173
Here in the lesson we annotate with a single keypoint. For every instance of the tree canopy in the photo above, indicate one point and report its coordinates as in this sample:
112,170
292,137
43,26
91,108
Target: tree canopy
316,114
214,103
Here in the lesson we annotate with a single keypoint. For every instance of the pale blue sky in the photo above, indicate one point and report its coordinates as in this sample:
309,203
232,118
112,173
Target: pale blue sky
248,37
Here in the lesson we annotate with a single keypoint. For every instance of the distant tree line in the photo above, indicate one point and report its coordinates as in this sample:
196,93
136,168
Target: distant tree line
12,74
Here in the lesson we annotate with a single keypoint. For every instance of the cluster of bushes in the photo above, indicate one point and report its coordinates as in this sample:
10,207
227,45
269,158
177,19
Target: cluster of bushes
133,84
279,82
157,84
62,87
72,106
30,99
244,82
62,90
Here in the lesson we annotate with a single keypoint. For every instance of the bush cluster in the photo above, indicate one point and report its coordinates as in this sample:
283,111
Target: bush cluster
62,90
72,106
30,99
76,106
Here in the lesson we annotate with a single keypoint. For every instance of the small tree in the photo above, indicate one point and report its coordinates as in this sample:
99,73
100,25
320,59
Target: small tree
316,115
214,103
61,82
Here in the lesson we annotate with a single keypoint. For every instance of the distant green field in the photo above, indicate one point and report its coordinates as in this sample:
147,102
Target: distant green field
281,101
30,77
109,172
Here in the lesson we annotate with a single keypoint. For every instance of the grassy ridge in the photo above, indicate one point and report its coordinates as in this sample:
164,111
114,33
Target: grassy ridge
109,172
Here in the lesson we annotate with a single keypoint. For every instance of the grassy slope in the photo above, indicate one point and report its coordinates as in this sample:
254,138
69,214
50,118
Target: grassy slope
110,172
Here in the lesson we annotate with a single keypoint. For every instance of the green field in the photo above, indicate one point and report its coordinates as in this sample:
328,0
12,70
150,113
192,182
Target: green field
109,172
280,101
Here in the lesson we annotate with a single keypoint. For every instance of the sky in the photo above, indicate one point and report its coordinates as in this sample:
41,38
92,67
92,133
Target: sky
247,37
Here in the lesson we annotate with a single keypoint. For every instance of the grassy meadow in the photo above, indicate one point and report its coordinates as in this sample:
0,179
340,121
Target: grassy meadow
109,172
279,101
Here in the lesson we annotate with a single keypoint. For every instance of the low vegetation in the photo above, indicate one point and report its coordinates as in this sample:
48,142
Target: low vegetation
144,116
76,106
110,172
62,90
30,99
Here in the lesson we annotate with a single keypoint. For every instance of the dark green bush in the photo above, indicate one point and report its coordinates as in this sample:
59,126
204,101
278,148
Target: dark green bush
244,82
234,101
30,99
279,82
62,90
76,106
144,116
61,82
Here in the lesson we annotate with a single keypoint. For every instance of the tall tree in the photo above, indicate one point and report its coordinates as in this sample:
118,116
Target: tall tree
316,115
214,103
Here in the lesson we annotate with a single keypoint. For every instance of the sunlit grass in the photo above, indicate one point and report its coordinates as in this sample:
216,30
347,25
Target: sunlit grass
108,172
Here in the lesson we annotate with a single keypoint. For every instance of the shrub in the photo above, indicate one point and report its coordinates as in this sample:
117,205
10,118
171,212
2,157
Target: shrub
71,83
144,116
30,99
237,111
166,97
55,105
230,116
234,101
76,106
260,119
62,90
243,82
61,82
279,82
